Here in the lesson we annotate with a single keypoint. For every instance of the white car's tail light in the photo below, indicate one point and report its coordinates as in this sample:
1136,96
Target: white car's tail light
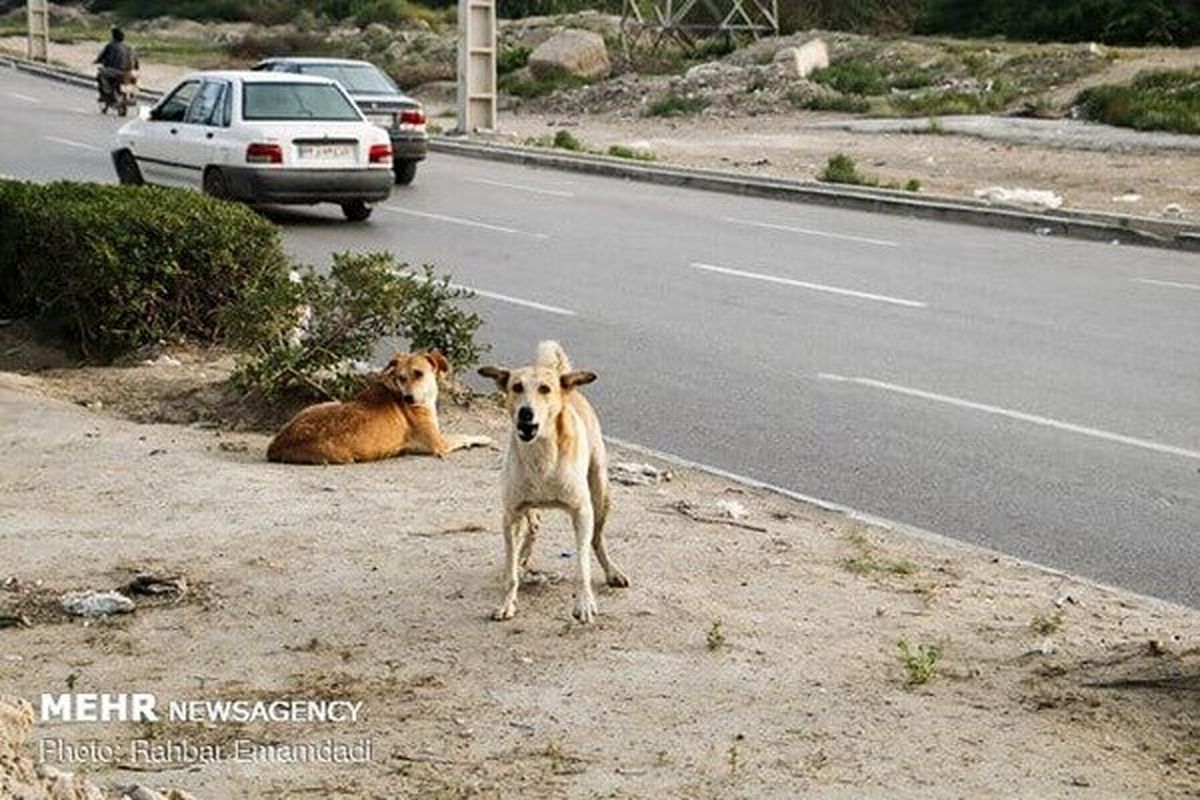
380,153
263,153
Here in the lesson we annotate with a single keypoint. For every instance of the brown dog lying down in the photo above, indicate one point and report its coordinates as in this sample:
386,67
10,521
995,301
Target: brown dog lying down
396,414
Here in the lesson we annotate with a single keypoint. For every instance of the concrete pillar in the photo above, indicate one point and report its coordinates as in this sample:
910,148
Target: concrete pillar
476,65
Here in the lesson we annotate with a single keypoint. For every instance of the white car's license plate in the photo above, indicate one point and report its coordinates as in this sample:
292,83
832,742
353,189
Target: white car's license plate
382,120
324,152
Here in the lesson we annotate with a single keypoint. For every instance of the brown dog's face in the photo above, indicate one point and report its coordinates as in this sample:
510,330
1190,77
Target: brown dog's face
534,395
412,377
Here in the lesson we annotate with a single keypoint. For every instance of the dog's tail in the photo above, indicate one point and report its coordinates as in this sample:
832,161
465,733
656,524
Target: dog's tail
551,354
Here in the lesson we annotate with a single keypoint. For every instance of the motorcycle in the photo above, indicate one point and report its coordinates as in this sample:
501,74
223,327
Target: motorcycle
118,93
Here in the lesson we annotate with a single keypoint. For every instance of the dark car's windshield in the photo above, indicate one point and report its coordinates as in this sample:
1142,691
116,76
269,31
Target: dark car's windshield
354,78
322,101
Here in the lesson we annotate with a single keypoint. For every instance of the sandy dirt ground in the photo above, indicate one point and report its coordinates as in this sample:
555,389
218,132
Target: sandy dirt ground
947,165
750,661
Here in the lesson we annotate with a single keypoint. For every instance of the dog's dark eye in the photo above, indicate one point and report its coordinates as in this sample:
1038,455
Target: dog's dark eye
418,374
517,387
543,389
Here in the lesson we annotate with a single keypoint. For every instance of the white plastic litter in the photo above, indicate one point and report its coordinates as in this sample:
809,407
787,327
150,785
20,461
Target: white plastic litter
96,604
731,509
631,473
1019,198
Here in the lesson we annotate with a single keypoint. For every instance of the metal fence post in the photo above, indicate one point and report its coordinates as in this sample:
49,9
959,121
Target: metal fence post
476,65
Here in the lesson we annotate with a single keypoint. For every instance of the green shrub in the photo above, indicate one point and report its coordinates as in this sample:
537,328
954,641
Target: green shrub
828,102
920,662
852,76
625,151
842,169
512,58
117,267
312,334
523,85
1167,100
676,105
935,103
392,12
565,140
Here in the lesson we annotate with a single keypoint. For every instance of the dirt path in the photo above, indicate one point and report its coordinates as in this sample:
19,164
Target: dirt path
788,146
742,662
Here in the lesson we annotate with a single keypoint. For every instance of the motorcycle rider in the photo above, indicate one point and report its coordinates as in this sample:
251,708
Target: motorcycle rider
115,60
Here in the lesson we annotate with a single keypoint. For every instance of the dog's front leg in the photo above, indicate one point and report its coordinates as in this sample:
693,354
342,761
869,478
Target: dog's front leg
512,578
585,602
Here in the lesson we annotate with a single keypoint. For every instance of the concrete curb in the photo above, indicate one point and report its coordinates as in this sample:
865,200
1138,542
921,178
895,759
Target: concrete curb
63,75
1072,224
892,527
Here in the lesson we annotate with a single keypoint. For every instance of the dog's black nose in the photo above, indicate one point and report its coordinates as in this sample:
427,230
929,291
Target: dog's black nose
408,398
524,414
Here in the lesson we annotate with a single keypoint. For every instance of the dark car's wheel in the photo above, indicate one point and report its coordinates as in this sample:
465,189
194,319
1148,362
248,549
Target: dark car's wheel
215,183
356,210
128,172
405,172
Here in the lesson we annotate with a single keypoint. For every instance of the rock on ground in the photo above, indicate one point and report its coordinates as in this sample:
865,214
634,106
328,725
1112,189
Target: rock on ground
19,777
799,62
581,54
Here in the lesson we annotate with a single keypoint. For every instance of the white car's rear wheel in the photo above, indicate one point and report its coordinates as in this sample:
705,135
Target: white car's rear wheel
405,172
215,183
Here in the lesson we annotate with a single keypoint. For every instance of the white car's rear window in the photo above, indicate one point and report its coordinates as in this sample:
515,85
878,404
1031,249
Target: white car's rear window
296,101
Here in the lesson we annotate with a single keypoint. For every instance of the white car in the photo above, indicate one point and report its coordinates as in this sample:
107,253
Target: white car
260,137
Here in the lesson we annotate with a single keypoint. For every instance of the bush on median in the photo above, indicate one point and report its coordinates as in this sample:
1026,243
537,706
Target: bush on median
113,268
316,333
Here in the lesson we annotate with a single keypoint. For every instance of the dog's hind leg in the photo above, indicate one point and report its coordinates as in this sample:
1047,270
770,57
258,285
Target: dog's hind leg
598,486
585,601
512,578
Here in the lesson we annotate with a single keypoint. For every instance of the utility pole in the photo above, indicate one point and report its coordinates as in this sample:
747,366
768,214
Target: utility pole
39,30
476,65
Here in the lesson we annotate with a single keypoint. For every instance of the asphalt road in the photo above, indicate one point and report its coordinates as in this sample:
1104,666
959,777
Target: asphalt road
1036,395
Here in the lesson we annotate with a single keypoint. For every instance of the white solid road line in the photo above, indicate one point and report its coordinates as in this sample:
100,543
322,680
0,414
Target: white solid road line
1195,287
24,97
1034,419
816,287
810,232
73,143
519,187
470,223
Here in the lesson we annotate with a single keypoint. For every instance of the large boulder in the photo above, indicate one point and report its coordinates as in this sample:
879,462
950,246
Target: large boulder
798,62
580,54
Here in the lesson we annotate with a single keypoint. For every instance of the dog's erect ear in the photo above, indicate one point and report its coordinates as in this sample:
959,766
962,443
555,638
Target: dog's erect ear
578,378
438,360
498,374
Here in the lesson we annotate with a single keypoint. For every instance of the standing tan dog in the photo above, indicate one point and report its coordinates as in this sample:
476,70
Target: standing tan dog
396,414
555,459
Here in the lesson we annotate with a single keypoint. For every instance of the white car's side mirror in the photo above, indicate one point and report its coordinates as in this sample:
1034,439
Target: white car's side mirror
143,112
